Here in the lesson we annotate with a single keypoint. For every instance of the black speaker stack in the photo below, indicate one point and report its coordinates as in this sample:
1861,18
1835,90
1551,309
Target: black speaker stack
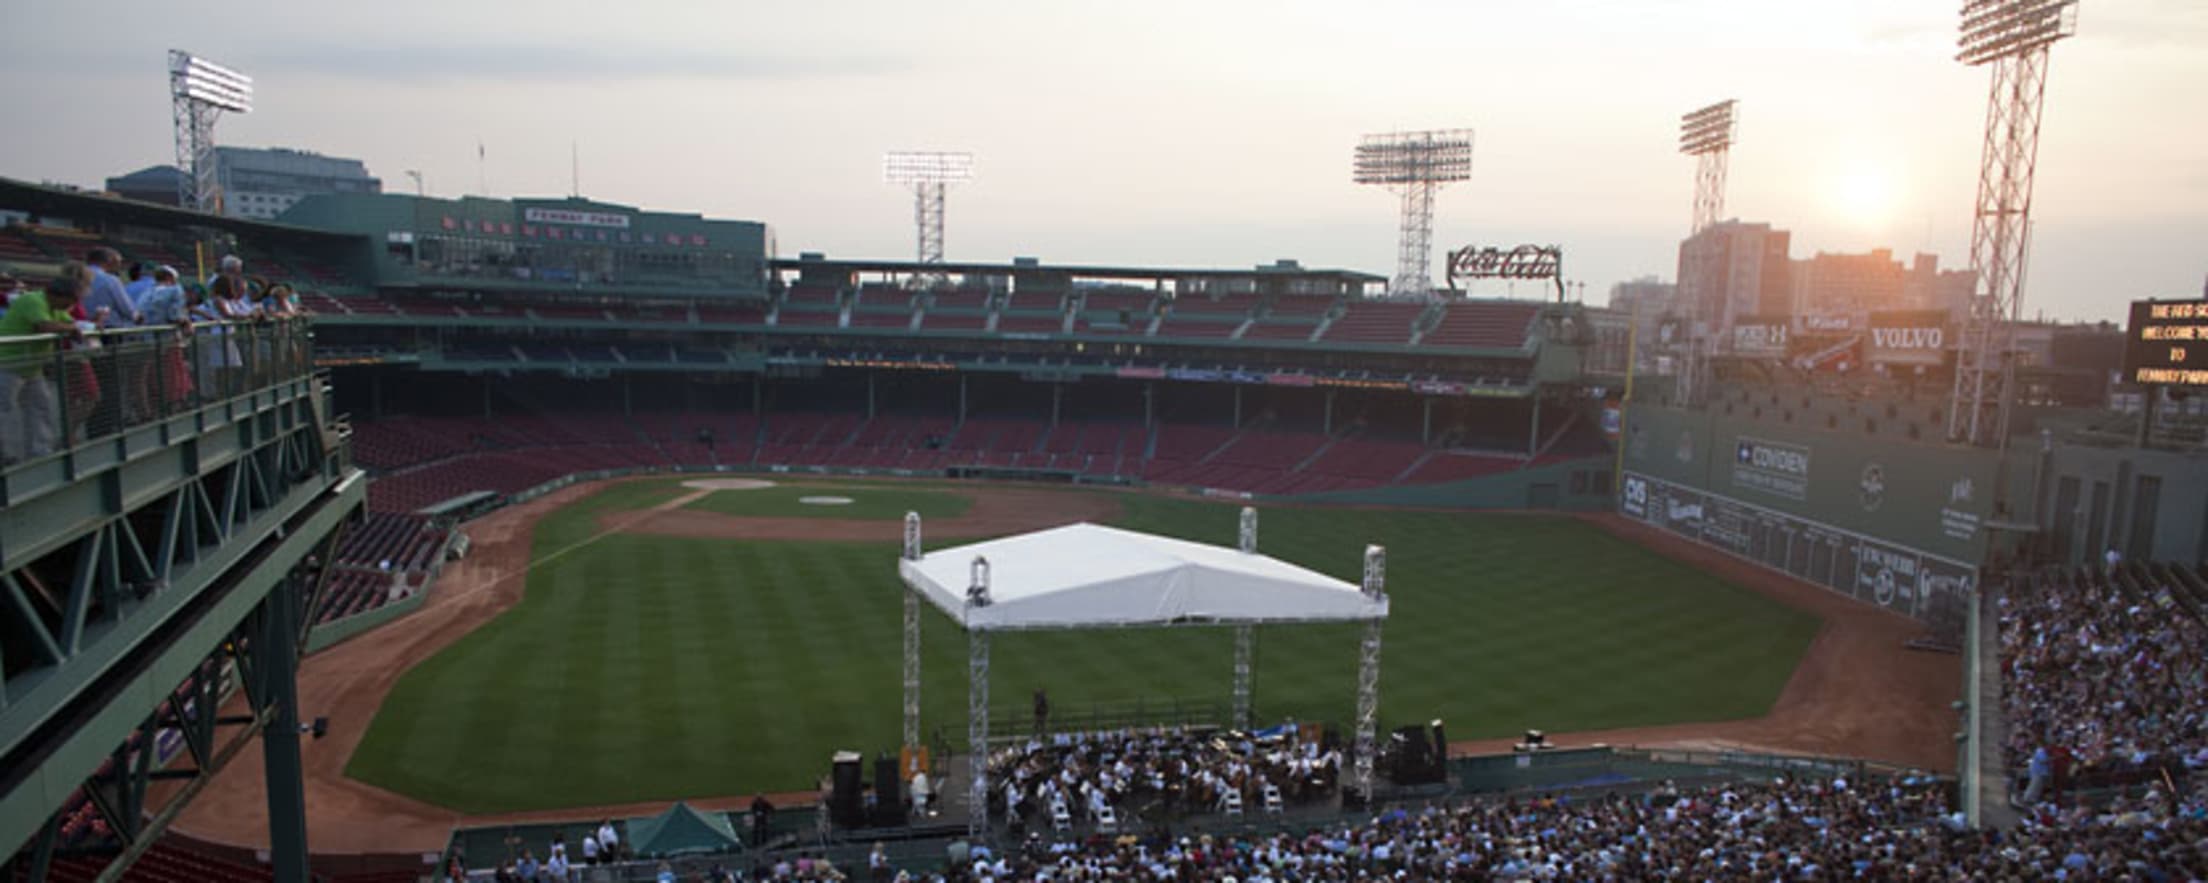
846,801
889,798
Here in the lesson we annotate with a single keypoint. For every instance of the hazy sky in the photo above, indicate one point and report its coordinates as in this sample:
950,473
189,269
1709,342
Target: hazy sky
1189,133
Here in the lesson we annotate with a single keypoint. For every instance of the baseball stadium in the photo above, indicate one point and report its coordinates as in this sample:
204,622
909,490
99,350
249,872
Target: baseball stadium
469,538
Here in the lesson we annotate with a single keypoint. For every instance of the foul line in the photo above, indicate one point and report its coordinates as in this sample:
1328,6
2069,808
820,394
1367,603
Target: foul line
617,527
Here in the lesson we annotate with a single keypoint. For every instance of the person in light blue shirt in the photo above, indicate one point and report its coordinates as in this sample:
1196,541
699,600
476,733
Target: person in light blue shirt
163,301
106,302
2039,769
140,282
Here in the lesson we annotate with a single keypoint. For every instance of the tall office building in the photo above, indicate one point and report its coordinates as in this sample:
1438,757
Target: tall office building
1734,270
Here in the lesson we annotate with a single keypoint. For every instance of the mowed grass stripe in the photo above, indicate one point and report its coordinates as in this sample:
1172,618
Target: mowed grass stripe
653,668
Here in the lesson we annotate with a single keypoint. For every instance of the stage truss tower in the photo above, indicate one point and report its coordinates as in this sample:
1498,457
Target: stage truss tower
2012,37
1414,164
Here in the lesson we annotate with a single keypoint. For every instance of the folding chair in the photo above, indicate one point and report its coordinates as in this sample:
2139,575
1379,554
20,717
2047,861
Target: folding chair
1272,798
1060,819
1107,818
1233,802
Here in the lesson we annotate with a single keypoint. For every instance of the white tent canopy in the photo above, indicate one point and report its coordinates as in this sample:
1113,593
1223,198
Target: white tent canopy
1091,576
1087,575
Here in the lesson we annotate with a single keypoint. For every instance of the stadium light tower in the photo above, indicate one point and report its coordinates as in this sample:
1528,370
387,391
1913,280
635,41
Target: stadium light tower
2012,37
199,91
928,174
1415,164
1707,135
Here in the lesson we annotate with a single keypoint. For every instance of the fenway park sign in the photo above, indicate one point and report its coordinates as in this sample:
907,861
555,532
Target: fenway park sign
575,218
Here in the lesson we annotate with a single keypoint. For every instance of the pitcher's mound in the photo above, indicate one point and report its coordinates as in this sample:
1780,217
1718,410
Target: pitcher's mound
727,484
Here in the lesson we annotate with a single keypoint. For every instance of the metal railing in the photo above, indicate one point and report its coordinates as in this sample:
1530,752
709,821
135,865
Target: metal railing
60,391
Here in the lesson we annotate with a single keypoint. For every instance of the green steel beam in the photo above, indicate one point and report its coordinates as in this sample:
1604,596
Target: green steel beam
45,790
31,703
48,503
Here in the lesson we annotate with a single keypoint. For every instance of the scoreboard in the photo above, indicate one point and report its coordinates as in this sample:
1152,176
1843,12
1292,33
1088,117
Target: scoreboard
2167,343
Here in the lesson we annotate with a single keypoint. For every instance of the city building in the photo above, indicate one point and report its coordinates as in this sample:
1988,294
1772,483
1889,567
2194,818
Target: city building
155,184
262,182
1829,285
1733,270
1645,299
1833,291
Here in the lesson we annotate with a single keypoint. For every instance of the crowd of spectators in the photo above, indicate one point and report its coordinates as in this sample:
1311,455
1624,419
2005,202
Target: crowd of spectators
1156,774
1884,827
2103,697
2102,684
173,341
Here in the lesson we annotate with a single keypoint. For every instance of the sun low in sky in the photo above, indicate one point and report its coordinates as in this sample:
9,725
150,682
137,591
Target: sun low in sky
1864,196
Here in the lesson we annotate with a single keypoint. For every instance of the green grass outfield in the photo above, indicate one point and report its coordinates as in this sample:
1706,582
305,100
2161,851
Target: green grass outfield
651,668
873,502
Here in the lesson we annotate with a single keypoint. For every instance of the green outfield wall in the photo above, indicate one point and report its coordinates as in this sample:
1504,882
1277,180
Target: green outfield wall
1576,485
1901,524
2148,505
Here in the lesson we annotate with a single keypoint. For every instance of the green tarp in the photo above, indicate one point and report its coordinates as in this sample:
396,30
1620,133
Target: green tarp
681,830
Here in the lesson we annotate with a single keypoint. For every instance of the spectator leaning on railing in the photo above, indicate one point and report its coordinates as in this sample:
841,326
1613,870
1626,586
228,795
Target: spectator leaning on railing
107,302
114,389
230,267
164,305
29,421
141,281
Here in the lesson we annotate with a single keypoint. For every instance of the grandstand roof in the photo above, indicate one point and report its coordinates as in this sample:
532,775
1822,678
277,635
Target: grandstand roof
1082,270
41,199
1087,575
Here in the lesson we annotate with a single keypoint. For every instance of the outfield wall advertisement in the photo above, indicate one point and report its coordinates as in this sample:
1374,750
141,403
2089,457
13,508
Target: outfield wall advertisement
1915,495
1909,337
1892,576
1760,336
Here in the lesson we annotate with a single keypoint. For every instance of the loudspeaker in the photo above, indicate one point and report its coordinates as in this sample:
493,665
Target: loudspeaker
321,727
889,798
845,804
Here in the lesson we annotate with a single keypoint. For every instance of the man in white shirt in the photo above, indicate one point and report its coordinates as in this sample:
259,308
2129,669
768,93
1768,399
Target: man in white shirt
609,842
920,792
590,848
